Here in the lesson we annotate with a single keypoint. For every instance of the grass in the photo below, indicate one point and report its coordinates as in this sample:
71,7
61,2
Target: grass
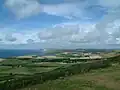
27,70
15,61
51,64
5,71
30,69
101,79
5,68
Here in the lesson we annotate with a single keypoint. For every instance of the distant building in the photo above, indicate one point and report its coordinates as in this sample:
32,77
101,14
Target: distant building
65,53
86,54
24,57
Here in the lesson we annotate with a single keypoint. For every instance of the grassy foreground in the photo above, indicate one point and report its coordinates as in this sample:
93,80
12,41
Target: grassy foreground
100,79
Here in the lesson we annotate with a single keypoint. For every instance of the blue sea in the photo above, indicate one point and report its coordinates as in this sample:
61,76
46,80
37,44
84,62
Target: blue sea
11,53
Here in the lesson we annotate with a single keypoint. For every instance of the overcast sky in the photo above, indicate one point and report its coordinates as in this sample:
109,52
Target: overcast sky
59,24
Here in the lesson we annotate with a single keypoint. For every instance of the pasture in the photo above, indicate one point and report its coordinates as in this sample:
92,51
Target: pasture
100,79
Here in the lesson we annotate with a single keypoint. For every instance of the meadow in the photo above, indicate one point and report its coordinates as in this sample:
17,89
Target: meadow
16,66
35,74
100,79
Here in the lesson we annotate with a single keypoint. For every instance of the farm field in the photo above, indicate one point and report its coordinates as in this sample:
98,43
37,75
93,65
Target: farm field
37,73
15,67
27,70
100,79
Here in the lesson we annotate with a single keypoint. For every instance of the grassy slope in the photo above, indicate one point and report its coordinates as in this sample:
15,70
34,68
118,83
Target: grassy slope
102,79
26,70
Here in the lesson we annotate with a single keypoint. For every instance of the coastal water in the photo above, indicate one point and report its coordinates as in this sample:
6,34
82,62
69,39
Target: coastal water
11,53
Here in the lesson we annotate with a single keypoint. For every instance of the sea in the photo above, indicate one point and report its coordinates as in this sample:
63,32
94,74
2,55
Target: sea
10,53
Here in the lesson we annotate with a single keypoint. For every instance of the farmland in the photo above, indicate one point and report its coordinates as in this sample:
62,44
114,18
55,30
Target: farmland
35,71
26,67
101,79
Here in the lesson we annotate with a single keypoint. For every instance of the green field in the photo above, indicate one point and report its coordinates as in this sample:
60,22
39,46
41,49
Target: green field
28,68
14,68
25,70
101,79
14,72
15,61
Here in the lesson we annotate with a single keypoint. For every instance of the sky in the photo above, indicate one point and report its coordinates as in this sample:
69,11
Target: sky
35,24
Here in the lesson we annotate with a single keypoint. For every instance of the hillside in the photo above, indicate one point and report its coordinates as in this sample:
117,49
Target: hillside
101,79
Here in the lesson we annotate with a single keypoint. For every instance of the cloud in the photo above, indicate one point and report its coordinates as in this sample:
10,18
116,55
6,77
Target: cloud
10,38
58,32
79,34
108,26
109,3
0,39
77,9
23,8
105,30
26,37
69,34
43,35
30,41
83,9
18,37
67,10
